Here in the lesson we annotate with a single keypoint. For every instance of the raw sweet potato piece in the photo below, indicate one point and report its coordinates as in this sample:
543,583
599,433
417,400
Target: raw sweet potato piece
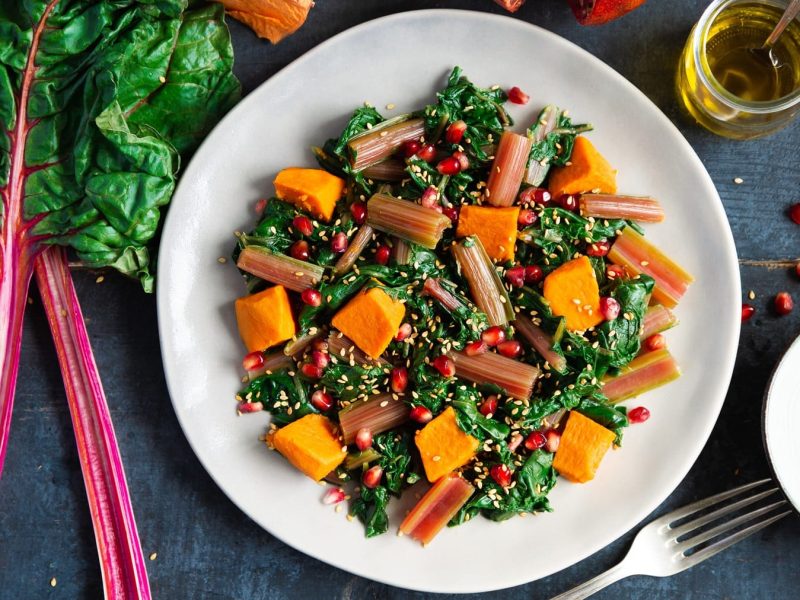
495,227
312,190
371,320
444,446
583,445
573,293
311,445
271,19
587,171
265,318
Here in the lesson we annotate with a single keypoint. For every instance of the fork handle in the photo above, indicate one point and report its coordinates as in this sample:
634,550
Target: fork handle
596,584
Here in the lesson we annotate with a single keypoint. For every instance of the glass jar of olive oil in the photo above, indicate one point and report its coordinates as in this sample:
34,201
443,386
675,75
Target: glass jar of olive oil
728,88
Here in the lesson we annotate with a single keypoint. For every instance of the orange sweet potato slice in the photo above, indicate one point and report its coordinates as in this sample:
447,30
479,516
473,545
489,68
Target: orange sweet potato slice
270,19
370,320
265,318
313,190
495,227
583,445
311,445
444,446
573,293
587,171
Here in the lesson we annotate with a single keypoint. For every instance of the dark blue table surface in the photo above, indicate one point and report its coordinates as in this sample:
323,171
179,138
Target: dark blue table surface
207,548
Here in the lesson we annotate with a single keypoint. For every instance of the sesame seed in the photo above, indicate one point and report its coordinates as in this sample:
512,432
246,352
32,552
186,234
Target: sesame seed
738,180
100,279
389,106
153,555
436,458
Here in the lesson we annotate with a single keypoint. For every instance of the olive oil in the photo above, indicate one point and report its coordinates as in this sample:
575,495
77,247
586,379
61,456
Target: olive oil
724,85
744,73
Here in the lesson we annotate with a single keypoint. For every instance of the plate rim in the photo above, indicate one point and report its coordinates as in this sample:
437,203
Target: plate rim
717,207
765,405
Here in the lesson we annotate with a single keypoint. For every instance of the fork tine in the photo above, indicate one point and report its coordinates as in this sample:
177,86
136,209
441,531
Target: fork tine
726,526
685,511
727,542
713,516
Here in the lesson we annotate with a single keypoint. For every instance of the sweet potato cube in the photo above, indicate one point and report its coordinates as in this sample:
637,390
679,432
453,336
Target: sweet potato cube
495,227
311,445
444,446
587,171
371,320
573,293
313,190
265,318
583,445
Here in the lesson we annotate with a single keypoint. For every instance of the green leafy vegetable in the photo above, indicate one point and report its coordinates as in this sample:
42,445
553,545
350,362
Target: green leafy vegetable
370,508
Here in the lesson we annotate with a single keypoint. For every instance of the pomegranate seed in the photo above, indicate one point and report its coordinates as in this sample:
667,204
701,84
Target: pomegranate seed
489,406
311,297
638,415
399,379
514,442
403,332
655,342
339,243
517,96
475,348
250,407
533,274
609,308
747,312
515,276
430,197
568,202
510,348
299,250
526,217
410,148
553,440
253,361
463,160
420,414
535,440
451,212
320,344
426,153
321,400
501,474
261,204
493,335
449,166
382,255
372,477
615,272
303,225
797,269
444,364
320,359
333,496
783,303
311,370
359,212
535,195
794,213
363,438
600,248
455,131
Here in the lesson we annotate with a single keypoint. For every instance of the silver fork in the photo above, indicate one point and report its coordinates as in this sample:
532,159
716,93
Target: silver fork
661,549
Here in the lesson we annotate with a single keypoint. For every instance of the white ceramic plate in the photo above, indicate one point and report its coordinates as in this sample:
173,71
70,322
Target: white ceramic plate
781,419
402,59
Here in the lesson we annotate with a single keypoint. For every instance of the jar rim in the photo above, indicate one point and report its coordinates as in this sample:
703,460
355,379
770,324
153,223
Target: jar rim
699,40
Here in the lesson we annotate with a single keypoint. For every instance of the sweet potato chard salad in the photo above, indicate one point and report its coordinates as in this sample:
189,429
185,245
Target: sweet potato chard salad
454,300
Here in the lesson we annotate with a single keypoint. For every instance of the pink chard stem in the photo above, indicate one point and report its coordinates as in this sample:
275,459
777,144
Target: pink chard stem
123,567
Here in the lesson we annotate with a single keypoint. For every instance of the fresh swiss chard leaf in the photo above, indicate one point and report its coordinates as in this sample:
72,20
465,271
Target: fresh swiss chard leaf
282,394
370,508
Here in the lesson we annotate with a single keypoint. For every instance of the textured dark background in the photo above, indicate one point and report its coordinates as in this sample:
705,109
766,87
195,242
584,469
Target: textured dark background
207,548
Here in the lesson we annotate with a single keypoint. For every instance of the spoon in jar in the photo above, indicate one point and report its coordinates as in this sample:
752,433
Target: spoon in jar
765,53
